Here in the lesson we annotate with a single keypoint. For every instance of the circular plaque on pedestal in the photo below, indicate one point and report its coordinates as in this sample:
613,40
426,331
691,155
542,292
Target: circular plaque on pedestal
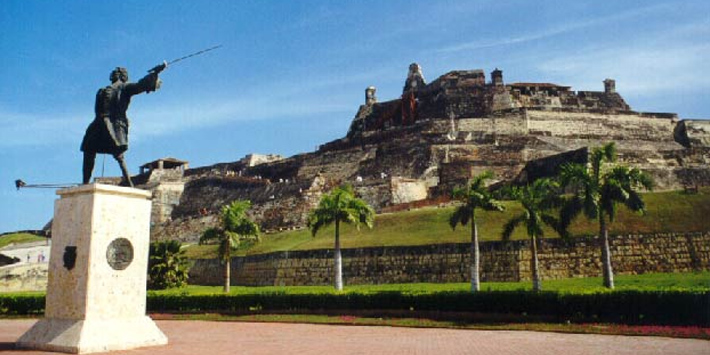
119,253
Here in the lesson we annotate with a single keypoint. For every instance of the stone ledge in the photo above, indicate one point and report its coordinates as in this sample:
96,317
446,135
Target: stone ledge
91,335
105,190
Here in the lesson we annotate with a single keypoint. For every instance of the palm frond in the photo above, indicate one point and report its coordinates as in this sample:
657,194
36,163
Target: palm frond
459,193
210,234
609,152
572,208
479,181
490,204
639,178
555,224
574,175
591,202
510,226
341,205
461,215
635,203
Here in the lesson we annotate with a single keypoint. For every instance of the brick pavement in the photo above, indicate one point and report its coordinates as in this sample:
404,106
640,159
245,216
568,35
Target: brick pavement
203,337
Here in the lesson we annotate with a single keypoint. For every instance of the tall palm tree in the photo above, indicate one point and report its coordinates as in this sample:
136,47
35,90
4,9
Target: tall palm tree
234,227
474,196
340,205
538,199
597,192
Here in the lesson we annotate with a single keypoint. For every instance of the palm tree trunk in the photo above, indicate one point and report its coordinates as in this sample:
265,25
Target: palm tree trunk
606,253
227,269
338,259
226,275
475,256
537,285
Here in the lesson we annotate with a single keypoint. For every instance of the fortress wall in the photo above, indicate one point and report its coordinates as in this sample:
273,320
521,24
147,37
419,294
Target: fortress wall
166,196
697,132
600,126
377,193
408,190
580,257
512,124
335,164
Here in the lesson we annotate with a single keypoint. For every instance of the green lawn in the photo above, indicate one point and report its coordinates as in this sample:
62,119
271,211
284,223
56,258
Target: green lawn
19,238
672,211
698,281
693,281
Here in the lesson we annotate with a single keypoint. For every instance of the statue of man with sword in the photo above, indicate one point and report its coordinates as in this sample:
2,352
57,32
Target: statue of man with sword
108,132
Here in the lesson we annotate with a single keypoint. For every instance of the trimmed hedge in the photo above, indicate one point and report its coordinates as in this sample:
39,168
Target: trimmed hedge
21,304
628,307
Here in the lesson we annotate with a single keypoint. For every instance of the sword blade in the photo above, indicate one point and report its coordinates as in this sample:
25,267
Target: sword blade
194,54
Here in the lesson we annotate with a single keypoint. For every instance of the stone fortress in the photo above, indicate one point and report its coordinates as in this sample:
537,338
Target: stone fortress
413,150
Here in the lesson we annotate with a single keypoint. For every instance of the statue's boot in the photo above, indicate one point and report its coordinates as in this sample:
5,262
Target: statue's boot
88,167
124,170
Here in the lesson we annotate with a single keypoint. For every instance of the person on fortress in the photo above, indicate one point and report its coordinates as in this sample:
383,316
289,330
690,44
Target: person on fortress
108,132
415,82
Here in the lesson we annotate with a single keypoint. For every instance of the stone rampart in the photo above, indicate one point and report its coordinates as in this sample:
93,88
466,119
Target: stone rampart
580,257
589,125
693,133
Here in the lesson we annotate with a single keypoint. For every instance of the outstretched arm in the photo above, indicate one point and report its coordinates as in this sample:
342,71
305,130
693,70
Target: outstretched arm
148,83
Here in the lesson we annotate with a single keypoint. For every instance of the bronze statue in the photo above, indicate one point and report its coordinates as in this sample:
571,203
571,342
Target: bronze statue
108,132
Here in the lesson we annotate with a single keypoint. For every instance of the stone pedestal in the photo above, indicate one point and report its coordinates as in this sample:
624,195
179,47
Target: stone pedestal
96,294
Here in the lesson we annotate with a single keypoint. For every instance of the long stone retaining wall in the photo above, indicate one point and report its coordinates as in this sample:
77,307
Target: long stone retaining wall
500,261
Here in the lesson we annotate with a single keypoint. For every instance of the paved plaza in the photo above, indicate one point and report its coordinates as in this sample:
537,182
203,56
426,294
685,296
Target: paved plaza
204,337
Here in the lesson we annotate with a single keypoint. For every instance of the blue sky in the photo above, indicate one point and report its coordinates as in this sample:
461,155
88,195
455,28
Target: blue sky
291,74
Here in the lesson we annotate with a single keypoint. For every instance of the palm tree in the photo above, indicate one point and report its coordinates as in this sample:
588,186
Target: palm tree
476,195
596,194
340,205
537,199
234,227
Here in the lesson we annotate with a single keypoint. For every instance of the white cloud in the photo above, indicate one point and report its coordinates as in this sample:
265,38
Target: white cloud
549,32
641,69
272,101
20,129
157,121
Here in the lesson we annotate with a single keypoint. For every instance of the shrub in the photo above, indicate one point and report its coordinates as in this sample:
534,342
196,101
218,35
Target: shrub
628,307
624,307
167,265
21,304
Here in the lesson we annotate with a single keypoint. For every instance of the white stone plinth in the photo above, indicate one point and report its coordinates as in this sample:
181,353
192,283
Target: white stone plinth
96,300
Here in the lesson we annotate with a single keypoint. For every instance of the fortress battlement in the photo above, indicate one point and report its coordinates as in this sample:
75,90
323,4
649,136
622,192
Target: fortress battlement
436,136
467,94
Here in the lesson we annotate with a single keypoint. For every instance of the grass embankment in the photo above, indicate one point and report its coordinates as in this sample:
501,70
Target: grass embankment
694,282
19,238
672,211
691,282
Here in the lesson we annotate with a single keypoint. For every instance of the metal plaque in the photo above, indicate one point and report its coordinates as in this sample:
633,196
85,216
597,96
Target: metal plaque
119,253
69,257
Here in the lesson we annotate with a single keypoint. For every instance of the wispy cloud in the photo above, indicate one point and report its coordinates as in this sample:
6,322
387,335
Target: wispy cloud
21,129
173,118
673,60
274,101
551,31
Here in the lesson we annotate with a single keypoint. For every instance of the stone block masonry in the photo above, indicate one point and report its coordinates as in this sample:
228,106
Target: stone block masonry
440,263
96,296
433,138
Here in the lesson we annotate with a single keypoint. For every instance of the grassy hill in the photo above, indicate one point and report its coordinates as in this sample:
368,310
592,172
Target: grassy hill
671,211
19,238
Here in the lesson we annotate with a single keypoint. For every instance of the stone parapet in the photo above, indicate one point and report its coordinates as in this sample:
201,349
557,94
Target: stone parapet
440,263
